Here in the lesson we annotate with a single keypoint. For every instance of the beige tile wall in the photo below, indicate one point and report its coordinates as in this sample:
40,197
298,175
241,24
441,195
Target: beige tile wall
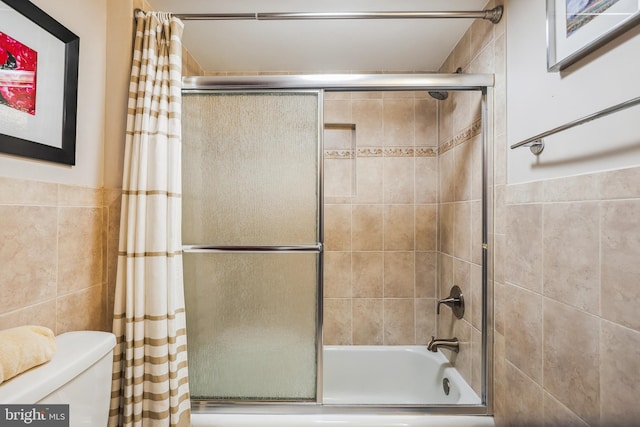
568,316
55,240
380,218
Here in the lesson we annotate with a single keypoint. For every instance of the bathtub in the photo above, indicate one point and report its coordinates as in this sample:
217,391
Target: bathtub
396,375
369,376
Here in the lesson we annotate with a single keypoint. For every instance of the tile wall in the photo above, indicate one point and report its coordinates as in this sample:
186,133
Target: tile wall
56,240
380,218
568,326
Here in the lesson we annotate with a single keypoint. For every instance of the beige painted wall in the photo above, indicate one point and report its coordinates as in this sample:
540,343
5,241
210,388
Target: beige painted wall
88,20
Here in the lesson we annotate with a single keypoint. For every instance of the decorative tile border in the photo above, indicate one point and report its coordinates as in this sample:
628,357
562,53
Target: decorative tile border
474,129
338,154
382,152
370,152
426,152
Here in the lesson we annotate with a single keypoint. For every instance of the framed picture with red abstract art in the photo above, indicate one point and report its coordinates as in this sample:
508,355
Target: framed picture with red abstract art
38,84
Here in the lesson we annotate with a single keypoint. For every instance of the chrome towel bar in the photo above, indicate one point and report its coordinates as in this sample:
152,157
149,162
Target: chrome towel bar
536,143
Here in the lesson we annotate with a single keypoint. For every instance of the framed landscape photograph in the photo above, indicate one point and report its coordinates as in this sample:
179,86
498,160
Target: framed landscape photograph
38,84
576,28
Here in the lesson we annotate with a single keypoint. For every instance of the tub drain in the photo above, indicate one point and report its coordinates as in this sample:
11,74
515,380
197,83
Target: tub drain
446,385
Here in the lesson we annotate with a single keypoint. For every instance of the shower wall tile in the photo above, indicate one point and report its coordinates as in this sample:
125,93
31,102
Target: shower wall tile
367,227
446,163
426,232
446,228
43,314
337,321
426,123
83,310
367,274
399,179
399,274
572,276
619,184
367,115
523,399
339,180
462,231
524,242
426,274
476,361
399,321
425,320
463,158
619,366
363,95
475,290
524,331
556,414
337,274
426,180
28,255
399,119
570,375
368,321
399,232
79,249
337,111
59,251
620,247
337,226
476,233
369,180
337,139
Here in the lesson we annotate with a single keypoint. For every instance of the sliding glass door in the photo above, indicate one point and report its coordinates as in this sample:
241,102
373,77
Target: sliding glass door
252,243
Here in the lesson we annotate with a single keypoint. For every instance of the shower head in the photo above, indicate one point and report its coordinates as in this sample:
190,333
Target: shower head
439,95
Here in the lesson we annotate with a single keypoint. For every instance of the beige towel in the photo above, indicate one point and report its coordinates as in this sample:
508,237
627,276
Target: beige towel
24,347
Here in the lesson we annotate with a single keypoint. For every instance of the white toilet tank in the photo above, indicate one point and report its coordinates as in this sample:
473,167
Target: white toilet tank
79,375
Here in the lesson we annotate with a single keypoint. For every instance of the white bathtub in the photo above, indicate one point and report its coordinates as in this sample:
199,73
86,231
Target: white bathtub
371,375
397,375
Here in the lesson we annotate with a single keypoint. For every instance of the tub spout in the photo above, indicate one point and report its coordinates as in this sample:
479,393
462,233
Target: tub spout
450,344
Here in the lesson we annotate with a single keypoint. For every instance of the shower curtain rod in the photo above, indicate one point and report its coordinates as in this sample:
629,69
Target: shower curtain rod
493,15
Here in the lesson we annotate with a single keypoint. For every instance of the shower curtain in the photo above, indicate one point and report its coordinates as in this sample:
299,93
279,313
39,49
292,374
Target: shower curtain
150,383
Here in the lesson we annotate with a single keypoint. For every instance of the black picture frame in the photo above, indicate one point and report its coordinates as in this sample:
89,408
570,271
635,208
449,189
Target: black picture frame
65,152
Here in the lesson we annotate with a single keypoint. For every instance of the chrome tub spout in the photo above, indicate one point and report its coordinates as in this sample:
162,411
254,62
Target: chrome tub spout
450,344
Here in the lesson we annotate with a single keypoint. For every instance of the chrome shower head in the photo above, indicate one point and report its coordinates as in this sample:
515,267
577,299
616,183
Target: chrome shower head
439,95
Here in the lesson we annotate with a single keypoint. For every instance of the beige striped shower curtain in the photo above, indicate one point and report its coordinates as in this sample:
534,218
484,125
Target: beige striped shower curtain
150,383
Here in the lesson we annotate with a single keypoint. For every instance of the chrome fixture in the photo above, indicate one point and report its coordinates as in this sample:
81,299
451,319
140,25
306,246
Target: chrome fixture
441,95
450,344
455,301
492,15
536,143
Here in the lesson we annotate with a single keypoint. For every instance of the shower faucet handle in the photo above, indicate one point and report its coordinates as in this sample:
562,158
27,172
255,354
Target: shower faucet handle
455,301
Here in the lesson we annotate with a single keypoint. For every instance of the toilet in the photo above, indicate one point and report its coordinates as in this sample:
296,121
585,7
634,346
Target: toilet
79,375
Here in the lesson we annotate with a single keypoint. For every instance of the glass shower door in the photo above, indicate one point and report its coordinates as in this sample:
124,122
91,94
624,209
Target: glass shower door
252,254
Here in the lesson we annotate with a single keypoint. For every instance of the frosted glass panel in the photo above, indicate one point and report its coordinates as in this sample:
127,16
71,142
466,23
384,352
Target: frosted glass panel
253,158
250,178
251,321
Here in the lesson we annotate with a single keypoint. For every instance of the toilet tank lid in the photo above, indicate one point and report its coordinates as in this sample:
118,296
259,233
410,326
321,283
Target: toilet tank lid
77,351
